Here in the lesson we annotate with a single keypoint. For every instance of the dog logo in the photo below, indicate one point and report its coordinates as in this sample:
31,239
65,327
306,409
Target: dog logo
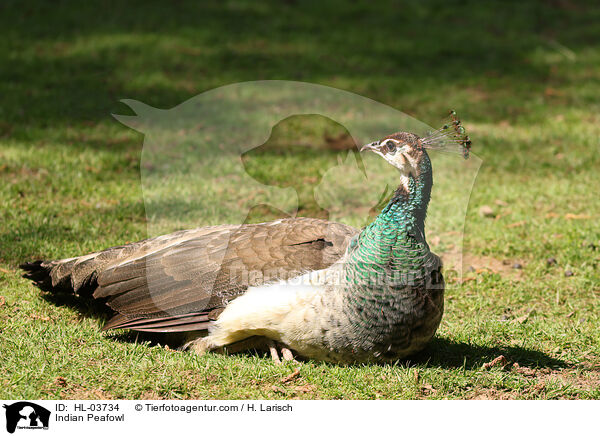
26,415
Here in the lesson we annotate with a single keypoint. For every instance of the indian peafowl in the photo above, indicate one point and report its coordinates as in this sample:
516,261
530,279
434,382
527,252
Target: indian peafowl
322,289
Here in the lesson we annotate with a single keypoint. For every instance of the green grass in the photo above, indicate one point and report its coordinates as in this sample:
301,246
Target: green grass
524,76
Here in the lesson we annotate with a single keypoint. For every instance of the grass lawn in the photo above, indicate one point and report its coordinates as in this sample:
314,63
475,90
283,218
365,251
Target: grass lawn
524,76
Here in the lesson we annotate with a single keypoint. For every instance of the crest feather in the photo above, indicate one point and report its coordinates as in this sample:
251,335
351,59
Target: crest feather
451,137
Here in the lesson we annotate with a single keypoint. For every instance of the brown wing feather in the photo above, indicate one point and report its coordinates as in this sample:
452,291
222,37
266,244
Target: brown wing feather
172,282
168,324
207,270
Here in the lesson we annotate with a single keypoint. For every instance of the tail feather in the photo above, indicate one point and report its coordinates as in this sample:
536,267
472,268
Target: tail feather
67,275
79,276
74,274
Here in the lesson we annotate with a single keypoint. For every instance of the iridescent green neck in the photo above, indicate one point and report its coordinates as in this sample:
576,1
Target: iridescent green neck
395,241
407,209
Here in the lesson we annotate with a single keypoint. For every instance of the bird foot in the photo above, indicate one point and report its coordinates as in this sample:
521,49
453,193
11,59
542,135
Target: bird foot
286,353
200,346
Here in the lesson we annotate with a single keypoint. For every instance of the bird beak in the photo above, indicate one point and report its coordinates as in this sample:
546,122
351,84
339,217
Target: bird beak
372,146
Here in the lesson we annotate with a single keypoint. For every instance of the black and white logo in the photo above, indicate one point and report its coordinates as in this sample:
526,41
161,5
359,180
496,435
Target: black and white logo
26,415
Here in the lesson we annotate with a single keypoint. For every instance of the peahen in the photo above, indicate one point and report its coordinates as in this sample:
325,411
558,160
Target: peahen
322,289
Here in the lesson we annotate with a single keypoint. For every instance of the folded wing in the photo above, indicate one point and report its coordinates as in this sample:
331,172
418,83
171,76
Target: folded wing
181,281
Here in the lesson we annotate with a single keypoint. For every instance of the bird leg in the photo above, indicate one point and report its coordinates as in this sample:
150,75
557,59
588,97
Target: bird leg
286,353
274,354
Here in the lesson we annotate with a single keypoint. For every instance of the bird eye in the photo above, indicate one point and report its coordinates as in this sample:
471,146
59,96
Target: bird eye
391,146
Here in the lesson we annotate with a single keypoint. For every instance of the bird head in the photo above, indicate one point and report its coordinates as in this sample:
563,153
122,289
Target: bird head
406,151
401,149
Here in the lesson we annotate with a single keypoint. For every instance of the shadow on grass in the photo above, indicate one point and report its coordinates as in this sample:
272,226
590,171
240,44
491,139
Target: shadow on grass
84,304
448,354
72,61
440,353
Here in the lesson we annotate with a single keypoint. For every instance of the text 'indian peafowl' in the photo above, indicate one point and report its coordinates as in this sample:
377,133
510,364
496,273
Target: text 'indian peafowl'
322,289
